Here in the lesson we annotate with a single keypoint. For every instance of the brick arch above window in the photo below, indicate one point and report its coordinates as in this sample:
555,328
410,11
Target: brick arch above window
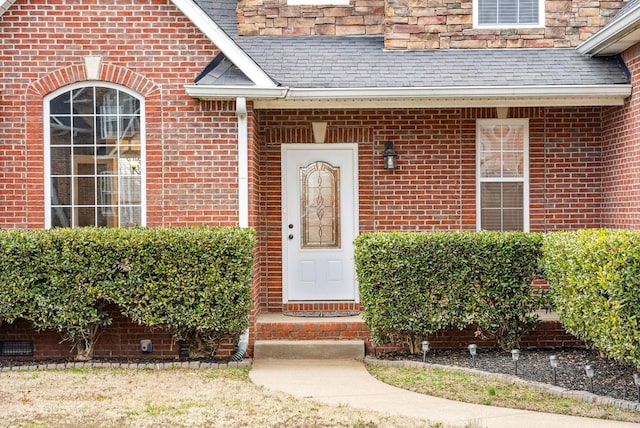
34,111
109,73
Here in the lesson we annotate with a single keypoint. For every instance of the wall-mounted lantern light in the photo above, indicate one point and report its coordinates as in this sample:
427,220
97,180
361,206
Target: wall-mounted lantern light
390,156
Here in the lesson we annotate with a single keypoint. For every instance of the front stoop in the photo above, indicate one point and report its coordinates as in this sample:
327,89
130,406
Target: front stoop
308,349
285,337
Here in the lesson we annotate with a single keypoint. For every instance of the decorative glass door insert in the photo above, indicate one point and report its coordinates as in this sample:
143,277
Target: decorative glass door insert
320,205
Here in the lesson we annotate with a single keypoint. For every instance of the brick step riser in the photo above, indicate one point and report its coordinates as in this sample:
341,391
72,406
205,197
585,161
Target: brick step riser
312,331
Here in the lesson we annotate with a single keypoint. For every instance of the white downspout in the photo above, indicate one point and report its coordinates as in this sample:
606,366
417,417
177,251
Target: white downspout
243,162
243,195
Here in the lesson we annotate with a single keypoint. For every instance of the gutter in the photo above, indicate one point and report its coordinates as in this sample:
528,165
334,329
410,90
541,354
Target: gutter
462,96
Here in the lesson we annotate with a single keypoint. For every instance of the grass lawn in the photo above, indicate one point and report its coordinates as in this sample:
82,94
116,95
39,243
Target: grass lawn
472,388
165,398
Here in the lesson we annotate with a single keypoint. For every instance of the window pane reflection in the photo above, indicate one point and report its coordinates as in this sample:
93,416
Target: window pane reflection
95,158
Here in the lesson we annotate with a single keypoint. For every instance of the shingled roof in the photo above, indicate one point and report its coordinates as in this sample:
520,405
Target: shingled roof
361,62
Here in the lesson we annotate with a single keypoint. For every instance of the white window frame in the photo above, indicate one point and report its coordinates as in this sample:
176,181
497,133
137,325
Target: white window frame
47,145
525,173
540,24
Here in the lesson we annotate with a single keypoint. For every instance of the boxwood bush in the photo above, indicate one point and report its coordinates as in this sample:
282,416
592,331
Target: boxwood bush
594,276
194,282
414,284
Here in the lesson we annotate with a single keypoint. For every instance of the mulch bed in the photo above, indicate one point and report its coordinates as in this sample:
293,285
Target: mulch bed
611,378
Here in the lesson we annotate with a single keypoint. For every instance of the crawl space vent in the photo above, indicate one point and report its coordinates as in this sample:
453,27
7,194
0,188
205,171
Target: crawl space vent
16,348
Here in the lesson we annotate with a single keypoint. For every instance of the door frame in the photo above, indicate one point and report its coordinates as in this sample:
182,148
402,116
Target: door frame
284,148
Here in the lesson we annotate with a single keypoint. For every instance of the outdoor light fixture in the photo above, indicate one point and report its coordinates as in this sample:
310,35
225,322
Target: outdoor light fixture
515,356
553,360
636,380
390,156
473,349
590,373
425,349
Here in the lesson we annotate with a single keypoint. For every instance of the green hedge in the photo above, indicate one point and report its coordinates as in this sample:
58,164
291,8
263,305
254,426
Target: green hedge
414,284
594,277
194,282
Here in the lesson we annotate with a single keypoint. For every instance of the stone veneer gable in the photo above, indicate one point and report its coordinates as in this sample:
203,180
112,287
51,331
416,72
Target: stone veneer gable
424,24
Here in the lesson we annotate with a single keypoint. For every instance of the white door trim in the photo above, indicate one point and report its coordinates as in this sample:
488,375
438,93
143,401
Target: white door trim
354,219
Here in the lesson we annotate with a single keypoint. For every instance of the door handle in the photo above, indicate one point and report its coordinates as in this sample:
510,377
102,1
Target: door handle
290,236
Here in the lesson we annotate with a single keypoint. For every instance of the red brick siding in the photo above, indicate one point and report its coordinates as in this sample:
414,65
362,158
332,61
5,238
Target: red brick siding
149,47
121,339
621,155
547,334
434,187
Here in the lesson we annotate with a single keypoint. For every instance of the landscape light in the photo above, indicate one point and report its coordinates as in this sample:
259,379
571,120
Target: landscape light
590,373
515,356
553,360
425,349
473,349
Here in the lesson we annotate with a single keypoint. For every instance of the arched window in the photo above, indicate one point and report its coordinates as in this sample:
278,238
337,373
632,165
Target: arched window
94,156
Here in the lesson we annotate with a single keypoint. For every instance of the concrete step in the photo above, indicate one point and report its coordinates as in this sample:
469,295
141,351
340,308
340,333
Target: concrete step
308,349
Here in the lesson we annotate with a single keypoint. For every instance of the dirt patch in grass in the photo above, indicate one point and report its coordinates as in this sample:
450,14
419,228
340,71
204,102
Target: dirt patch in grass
165,398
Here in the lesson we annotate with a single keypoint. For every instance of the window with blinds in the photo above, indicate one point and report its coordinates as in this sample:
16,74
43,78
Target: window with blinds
502,174
503,13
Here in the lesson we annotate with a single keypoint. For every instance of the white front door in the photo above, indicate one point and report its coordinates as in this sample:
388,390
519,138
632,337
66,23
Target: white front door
320,221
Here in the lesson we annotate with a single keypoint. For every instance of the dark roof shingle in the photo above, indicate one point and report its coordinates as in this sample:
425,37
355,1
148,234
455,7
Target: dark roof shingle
361,62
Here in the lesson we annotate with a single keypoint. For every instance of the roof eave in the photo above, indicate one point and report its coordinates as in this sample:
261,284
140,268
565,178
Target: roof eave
604,41
474,96
225,43
5,5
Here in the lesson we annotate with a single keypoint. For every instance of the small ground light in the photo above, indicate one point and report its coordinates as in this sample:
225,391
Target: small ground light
473,349
590,373
515,356
636,380
425,349
553,360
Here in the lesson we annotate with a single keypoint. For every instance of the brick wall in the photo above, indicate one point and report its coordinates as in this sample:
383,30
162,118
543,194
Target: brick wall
433,24
149,47
434,187
121,339
621,155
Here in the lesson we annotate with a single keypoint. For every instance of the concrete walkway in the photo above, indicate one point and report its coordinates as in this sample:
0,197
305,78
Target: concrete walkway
348,382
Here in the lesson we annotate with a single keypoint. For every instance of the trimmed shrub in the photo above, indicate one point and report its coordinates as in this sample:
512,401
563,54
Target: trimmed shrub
58,283
594,276
18,272
194,282
414,284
